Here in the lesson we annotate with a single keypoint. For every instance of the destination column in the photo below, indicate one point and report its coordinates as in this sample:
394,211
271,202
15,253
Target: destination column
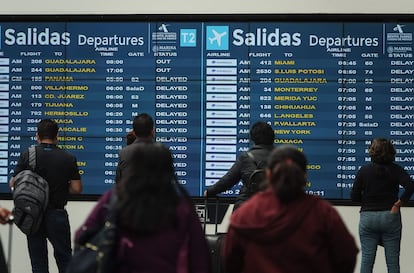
294,86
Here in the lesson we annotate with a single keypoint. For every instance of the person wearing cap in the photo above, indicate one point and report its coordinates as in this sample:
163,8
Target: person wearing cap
283,229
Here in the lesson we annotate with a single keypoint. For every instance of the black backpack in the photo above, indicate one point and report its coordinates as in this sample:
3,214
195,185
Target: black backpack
30,197
257,177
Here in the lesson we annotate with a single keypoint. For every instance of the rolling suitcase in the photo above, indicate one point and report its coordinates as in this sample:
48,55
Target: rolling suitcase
5,263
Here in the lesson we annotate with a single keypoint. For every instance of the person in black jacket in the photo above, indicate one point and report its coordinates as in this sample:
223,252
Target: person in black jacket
143,132
263,137
376,188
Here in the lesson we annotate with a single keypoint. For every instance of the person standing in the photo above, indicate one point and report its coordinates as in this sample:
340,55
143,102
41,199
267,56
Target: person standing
60,170
283,229
376,188
143,130
263,138
158,227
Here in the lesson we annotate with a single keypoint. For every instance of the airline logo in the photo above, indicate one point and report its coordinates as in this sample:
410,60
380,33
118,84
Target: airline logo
398,28
398,35
163,28
217,38
163,34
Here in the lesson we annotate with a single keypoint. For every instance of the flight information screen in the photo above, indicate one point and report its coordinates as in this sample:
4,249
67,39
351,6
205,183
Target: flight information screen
327,87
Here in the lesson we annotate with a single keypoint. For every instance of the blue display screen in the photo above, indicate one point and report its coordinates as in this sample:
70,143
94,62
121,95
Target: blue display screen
327,87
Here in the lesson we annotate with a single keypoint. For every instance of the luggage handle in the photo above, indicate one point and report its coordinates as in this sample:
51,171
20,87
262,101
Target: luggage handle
9,251
215,216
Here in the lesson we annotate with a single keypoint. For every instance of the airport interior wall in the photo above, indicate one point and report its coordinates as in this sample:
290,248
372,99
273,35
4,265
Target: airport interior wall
78,210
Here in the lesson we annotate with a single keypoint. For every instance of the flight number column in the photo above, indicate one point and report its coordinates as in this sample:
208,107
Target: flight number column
24,73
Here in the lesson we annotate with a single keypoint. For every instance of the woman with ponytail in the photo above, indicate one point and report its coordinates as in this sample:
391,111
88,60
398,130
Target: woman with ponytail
283,229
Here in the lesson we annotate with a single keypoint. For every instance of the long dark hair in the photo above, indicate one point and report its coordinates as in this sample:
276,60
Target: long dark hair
149,193
287,167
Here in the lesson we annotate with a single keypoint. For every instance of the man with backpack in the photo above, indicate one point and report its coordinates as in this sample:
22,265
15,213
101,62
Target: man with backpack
246,164
59,168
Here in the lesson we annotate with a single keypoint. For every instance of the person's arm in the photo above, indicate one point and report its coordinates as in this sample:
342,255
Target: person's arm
356,191
405,181
75,183
121,164
22,164
96,217
231,178
396,206
11,182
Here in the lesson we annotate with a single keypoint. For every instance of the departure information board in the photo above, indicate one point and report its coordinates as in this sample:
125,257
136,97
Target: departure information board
327,87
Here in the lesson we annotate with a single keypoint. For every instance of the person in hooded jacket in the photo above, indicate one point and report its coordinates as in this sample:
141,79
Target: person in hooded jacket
284,230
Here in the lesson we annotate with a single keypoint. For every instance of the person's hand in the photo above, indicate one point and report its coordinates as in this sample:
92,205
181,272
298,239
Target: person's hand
396,207
205,193
4,215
